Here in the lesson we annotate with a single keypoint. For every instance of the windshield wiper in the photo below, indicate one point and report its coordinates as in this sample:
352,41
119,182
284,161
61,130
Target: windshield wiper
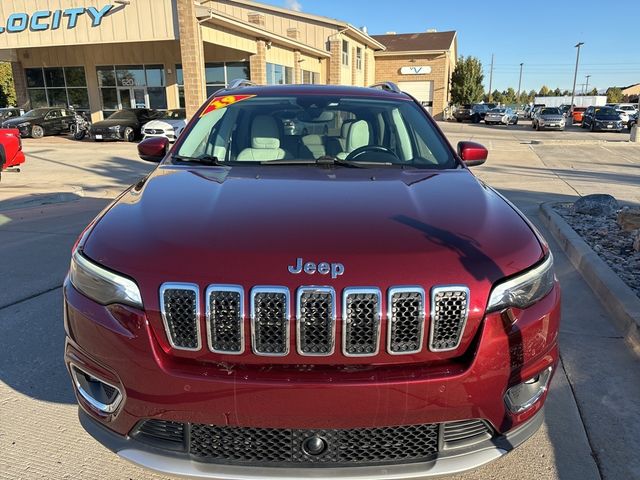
325,161
202,159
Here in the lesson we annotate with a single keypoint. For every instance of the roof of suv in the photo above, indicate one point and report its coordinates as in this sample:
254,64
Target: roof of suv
313,90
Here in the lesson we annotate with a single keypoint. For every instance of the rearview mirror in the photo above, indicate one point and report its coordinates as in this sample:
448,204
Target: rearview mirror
153,149
472,153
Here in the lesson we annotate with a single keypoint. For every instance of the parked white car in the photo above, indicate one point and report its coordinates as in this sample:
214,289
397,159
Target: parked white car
629,108
169,124
624,116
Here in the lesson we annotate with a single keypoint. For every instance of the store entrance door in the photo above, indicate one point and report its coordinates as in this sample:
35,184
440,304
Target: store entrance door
133,97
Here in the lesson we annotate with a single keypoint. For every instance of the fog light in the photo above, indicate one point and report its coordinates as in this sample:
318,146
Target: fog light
101,395
522,396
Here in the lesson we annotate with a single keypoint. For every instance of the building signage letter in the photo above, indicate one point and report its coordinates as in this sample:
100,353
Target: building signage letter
98,15
35,25
52,20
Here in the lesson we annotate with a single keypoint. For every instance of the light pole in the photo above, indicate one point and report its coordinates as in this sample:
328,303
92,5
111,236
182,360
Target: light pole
491,78
586,88
519,83
575,75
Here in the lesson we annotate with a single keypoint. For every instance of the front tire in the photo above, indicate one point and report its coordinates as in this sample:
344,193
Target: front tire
79,135
129,135
37,131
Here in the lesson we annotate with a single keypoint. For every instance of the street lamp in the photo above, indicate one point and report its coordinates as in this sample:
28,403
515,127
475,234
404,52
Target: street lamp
519,83
575,75
586,88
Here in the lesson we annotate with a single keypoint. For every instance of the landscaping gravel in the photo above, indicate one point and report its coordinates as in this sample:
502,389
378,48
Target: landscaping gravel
608,240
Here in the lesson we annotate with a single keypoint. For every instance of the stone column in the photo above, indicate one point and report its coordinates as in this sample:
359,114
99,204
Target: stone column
335,62
297,67
365,65
258,63
192,52
20,84
354,70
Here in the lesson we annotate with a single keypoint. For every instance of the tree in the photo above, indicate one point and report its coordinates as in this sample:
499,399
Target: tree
614,95
7,89
466,81
557,92
593,92
496,96
544,91
566,93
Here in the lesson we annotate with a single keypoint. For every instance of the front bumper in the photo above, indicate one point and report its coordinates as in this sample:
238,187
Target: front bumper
106,135
117,345
181,464
171,136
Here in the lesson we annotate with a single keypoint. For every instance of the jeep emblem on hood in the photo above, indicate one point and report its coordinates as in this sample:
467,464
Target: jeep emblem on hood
323,268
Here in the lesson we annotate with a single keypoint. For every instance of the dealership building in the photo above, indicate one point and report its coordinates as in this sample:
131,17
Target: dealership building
105,55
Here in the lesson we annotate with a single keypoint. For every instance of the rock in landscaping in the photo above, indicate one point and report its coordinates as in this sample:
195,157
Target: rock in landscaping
629,219
596,204
636,240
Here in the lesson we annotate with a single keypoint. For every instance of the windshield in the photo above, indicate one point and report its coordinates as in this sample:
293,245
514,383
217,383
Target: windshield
122,115
550,111
243,129
172,115
38,112
606,112
497,110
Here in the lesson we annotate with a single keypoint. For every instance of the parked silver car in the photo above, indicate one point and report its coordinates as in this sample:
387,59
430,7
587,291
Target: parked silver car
548,118
504,116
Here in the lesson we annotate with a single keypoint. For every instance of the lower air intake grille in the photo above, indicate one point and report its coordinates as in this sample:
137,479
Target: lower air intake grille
361,322
316,321
406,320
449,310
225,319
162,433
465,432
286,447
180,311
270,321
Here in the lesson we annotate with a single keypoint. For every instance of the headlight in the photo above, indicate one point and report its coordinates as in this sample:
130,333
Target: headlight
525,289
23,124
102,285
114,129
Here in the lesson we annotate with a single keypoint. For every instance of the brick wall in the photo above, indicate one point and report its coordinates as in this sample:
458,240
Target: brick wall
297,69
335,62
192,52
258,63
388,69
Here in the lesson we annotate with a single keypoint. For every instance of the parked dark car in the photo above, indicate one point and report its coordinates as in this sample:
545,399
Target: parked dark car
41,121
602,118
471,113
123,125
7,113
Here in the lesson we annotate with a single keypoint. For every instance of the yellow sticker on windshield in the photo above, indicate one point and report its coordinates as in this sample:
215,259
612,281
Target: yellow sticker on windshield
222,102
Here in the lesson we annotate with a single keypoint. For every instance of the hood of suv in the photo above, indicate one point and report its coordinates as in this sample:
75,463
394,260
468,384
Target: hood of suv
247,225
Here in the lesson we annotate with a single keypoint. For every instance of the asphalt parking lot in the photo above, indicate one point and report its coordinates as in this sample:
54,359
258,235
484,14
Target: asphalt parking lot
592,426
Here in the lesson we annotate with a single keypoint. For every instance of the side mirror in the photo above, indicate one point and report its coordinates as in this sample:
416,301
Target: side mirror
472,153
153,149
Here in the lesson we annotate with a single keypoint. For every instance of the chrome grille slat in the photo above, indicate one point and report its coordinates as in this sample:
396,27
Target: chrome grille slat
449,312
405,320
361,312
316,320
270,321
465,432
180,310
225,319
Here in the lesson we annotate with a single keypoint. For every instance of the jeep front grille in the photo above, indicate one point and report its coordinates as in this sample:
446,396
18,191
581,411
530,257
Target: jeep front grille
316,326
316,320
406,313
180,309
270,321
361,322
464,433
225,319
449,311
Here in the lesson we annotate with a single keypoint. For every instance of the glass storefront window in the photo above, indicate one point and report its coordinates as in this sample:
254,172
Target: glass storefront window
279,74
106,76
157,98
155,76
218,75
130,76
109,98
35,77
310,77
57,87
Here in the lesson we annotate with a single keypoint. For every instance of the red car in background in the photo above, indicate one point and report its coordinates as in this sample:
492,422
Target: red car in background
577,113
11,154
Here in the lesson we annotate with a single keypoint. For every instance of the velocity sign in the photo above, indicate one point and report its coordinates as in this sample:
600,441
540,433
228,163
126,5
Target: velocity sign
53,19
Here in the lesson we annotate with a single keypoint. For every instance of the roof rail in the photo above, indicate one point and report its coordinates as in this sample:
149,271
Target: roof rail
240,82
388,86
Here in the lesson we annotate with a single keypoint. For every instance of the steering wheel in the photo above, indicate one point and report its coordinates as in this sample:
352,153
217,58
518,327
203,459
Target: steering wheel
370,148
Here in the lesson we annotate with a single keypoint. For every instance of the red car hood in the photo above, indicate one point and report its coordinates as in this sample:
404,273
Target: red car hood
246,225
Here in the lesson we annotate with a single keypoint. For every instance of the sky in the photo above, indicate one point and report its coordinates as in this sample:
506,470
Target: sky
542,35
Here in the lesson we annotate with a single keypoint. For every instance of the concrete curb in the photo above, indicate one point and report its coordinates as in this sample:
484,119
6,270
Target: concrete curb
617,298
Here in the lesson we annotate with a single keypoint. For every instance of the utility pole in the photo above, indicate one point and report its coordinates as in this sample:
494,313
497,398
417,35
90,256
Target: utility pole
575,75
519,83
586,88
491,77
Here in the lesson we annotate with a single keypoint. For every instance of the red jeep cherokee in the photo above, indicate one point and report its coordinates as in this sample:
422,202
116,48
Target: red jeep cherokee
311,284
